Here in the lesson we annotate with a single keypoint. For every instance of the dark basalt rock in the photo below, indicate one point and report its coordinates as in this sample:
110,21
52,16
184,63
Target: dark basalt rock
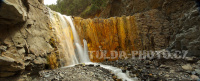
98,65
91,65
124,71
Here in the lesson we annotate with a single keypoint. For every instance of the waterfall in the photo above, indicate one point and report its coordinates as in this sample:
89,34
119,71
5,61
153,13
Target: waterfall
83,53
61,25
86,51
65,47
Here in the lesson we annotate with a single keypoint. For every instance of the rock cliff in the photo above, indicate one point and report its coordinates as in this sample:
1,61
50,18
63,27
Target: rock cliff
183,17
25,37
142,31
144,25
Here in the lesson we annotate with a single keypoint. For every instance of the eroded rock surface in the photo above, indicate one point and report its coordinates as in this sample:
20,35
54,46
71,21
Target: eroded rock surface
144,25
142,31
24,37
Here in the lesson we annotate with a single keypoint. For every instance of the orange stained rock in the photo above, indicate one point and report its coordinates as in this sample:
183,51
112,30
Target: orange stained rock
115,33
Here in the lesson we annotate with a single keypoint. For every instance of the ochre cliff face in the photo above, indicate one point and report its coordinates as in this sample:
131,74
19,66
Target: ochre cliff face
143,31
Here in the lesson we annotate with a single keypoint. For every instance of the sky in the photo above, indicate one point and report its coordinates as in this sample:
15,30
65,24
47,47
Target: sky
48,2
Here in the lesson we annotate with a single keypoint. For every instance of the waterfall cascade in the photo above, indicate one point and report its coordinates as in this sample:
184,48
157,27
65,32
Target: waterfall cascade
62,30
61,25
83,53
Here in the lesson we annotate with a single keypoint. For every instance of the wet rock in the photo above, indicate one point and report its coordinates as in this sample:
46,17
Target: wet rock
187,67
97,65
124,71
114,77
91,65
82,65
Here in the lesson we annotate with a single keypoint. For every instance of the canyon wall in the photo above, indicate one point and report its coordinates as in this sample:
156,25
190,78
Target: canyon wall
142,31
26,39
143,25
183,17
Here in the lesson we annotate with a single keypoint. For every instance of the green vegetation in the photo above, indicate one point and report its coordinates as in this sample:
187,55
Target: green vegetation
83,8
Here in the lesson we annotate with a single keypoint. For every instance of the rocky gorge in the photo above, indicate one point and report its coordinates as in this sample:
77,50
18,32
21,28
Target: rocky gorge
32,48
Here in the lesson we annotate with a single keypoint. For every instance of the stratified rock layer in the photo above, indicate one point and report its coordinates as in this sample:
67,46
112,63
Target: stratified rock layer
24,37
172,25
142,31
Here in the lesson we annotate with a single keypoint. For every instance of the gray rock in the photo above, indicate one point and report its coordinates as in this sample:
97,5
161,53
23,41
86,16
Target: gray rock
194,77
197,71
187,67
198,62
167,75
189,58
164,66
172,71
